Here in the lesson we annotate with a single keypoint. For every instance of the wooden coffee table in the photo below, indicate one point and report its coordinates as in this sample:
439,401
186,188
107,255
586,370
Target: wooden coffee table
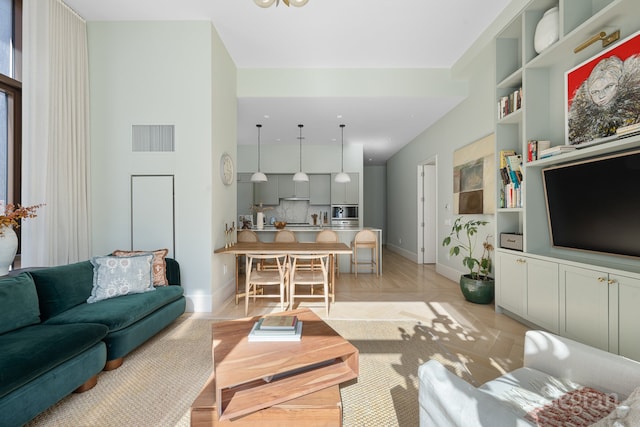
253,376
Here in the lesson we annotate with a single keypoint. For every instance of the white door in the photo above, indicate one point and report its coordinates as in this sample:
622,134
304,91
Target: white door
427,200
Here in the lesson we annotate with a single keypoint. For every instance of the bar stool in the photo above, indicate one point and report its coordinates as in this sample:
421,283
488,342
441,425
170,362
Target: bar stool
243,236
261,278
308,277
284,236
364,239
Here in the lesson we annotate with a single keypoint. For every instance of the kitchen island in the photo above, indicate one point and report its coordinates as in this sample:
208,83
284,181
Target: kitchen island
307,233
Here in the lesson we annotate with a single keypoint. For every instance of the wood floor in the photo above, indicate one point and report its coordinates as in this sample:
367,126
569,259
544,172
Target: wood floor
488,342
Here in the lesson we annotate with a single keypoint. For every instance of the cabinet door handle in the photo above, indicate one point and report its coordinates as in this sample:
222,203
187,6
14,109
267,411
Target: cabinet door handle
602,279
521,261
612,281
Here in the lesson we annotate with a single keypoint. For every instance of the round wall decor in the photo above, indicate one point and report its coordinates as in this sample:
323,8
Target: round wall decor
226,169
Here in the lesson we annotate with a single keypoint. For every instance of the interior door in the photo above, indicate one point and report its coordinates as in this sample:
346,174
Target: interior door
427,218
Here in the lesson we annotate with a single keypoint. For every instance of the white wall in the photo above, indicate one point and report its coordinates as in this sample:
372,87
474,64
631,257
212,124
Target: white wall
375,198
469,121
164,73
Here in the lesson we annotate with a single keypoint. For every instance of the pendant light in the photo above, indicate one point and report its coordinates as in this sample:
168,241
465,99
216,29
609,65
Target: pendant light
342,177
258,176
300,176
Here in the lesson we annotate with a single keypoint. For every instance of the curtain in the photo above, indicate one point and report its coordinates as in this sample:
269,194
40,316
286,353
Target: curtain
56,155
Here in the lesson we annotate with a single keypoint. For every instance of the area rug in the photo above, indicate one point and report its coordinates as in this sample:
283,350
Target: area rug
158,382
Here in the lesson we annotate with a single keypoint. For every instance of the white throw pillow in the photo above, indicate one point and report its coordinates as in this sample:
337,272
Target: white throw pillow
115,276
626,414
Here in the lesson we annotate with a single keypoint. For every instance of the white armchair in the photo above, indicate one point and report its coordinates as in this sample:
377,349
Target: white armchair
447,400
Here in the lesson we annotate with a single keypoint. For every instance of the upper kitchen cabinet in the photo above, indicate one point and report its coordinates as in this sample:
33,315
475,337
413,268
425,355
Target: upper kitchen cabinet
290,189
266,192
347,193
320,189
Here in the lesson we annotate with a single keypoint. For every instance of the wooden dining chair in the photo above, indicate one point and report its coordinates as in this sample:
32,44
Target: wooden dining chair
260,278
364,239
305,277
329,236
243,236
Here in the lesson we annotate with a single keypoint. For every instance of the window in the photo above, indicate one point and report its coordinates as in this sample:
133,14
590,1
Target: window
10,99
11,102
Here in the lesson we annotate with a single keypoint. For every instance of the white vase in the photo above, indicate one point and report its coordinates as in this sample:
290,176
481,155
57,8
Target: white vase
547,30
260,220
8,249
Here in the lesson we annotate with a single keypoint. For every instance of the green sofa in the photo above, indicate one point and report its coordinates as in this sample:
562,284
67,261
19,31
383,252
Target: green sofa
53,342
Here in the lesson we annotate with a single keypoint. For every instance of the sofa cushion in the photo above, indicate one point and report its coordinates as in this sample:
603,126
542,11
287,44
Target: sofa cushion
18,303
31,351
116,276
60,288
159,265
118,313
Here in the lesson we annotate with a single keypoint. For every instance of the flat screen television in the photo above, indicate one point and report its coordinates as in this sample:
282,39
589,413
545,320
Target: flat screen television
594,205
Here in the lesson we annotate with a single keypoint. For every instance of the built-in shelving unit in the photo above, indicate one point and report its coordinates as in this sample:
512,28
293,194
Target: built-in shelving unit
542,117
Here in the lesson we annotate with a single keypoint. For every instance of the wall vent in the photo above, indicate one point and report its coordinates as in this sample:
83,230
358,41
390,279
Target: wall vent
152,138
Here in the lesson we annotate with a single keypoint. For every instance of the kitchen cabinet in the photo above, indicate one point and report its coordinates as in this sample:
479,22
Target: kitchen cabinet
245,194
288,188
627,317
347,193
511,282
543,293
266,192
528,287
320,189
584,305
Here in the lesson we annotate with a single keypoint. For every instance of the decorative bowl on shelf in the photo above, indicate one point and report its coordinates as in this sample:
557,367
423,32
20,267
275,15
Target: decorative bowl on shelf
547,30
280,224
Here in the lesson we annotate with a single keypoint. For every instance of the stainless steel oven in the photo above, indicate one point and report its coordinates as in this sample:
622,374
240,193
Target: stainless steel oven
344,215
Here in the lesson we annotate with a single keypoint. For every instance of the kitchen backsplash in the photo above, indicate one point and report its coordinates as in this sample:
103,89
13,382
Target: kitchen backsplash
296,211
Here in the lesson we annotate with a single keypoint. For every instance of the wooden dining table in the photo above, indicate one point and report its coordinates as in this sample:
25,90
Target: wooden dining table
290,248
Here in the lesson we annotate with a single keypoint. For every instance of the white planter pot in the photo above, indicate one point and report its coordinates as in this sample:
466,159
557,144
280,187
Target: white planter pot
8,249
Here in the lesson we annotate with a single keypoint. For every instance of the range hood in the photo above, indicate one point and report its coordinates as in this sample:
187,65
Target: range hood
304,199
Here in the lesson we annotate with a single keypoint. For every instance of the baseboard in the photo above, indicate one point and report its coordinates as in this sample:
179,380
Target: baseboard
448,272
403,252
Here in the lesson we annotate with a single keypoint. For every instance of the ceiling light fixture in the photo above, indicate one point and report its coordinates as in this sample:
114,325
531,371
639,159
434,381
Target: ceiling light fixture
300,176
258,176
342,177
269,3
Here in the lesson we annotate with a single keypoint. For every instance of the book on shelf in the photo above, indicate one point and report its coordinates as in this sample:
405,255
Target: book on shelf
554,151
509,103
532,150
503,157
279,322
274,335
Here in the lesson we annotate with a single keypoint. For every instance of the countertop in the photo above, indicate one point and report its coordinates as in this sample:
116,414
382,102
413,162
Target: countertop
294,228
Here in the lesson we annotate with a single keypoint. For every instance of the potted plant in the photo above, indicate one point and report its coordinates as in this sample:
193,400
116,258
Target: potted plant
477,286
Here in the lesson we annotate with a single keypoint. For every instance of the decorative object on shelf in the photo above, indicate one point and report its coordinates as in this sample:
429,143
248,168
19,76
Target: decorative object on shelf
602,35
269,3
474,177
229,234
476,286
246,221
226,169
258,176
547,30
342,177
9,220
259,210
300,176
602,94
280,224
